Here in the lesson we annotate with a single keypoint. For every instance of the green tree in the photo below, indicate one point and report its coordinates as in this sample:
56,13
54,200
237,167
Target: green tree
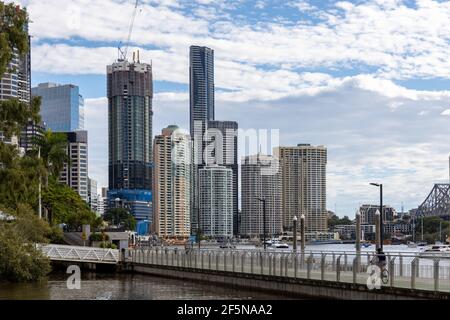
336,221
66,206
20,259
53,152
120,217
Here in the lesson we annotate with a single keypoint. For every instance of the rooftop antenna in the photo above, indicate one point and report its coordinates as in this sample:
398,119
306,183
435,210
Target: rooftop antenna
124,52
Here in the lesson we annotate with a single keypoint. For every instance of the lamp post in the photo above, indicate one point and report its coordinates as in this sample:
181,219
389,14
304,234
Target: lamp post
295,235
380,186
303,232
264,221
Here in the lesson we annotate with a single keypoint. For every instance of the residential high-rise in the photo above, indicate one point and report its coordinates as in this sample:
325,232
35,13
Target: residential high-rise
62,106
216,201
172,184
130,94
93,196
29,133
201,73
304,187
222,149
75,173
103,201
368,213
261,179
201,68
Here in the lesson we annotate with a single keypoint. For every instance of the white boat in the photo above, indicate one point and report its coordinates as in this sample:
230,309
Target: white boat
436,249
412,245
281,245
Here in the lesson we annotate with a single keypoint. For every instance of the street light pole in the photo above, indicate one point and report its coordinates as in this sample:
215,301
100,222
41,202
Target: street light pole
381,213
295,235
264,222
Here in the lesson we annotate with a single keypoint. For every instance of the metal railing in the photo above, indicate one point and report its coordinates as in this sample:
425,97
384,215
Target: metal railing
80,254
404,270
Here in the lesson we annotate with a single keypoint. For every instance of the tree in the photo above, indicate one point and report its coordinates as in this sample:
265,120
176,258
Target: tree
53,152
66,206
14,114
20,259
120,217
13,34
336,221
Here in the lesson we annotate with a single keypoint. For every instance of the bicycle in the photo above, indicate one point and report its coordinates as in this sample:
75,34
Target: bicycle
384,273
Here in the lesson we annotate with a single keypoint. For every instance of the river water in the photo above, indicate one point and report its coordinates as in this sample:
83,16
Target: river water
123,287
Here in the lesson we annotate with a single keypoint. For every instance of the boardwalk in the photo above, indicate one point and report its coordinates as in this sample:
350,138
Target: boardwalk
409,271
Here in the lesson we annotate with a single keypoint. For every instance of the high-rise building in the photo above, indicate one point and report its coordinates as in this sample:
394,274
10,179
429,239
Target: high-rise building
368,213
62,106
93,196
130,94
201,72
261,179
304,185
222,149
75,173
103,201
216,201
172,184
29,133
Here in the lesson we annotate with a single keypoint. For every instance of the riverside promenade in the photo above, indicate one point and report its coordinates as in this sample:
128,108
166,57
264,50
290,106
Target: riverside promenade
315,274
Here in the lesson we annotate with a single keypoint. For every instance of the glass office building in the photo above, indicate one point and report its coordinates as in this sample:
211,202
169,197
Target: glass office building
62,107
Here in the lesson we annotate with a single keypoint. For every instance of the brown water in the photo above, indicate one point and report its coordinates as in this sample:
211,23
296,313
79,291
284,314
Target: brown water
123,287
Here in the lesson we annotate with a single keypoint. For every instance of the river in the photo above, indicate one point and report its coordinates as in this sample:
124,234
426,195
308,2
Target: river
123,287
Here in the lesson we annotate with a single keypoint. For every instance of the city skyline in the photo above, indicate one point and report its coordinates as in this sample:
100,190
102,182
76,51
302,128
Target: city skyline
339,107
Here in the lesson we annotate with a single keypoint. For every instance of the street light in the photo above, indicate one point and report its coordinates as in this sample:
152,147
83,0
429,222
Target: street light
381,213
264,221
295,234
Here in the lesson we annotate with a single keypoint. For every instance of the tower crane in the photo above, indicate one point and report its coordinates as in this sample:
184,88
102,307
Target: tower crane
123,53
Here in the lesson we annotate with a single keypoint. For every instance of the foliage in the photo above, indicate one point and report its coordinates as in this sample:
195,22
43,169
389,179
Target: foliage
14,115
19,178
431,228
20,260
108,245
56,235
99,237
53,151
336,221
66,206
13,34
120,217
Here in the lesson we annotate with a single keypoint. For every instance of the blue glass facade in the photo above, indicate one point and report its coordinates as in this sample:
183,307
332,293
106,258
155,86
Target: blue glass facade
62,107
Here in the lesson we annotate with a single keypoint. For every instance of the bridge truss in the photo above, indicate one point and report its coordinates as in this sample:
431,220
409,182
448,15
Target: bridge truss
437,204
81,254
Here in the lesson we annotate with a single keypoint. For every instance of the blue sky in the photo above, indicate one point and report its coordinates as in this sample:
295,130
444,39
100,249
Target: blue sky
368,79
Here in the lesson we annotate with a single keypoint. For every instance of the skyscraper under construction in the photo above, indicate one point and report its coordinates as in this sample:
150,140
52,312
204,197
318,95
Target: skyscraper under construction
130,94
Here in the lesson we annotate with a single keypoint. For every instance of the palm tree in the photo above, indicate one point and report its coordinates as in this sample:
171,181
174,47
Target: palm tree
52,149
53,152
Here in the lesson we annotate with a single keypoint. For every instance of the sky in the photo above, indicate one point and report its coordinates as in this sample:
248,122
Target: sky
369,79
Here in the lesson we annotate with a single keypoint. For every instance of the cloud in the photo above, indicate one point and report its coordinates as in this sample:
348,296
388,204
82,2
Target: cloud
321,74
367,139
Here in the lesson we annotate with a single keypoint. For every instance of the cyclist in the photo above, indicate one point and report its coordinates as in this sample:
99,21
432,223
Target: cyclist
380,262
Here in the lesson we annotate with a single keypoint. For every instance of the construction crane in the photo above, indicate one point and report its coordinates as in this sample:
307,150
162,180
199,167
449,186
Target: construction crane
123,53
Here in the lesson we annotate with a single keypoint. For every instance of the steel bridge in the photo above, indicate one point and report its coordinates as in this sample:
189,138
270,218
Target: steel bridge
437,204
80,254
